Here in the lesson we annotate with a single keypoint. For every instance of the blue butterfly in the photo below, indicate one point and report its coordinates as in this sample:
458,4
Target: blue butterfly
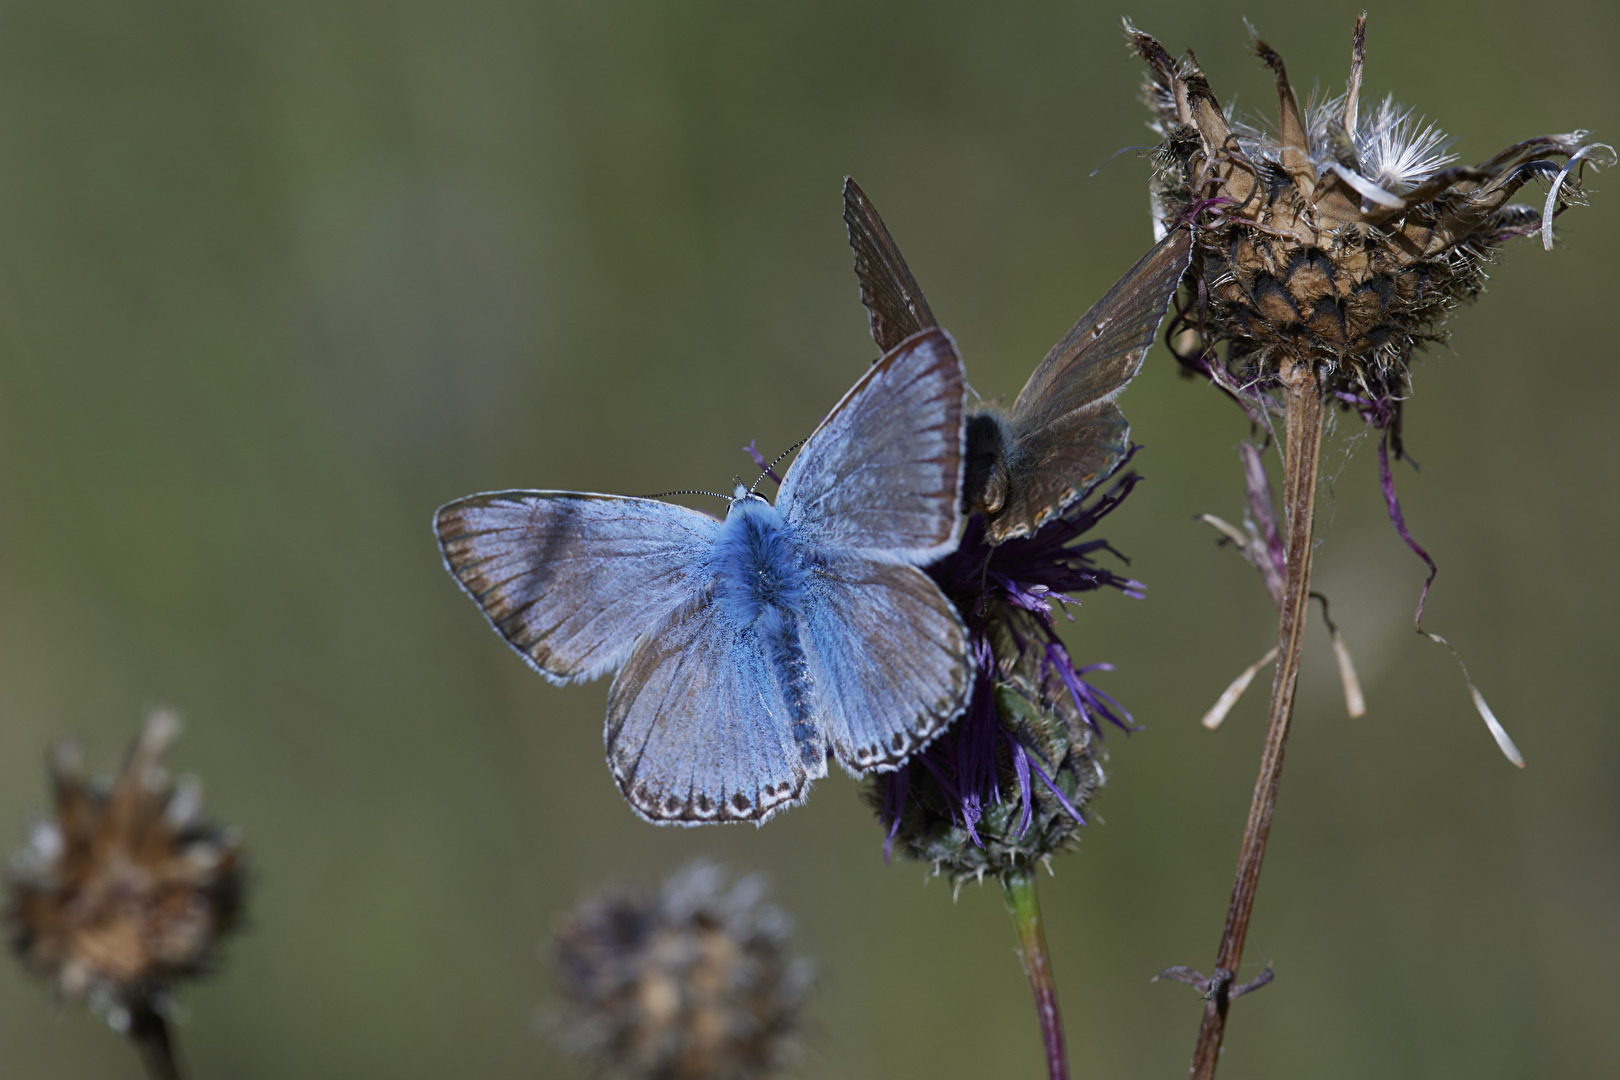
749,650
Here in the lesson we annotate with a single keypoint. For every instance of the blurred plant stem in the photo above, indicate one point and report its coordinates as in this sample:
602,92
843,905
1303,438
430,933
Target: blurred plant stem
1025,908
150,1034
1305,404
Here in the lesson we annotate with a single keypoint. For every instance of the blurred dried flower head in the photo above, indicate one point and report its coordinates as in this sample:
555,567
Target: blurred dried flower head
124,890
694,982
1341,235
1005,788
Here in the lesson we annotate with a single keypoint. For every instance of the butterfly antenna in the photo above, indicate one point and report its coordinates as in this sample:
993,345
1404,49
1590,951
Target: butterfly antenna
770,470
1115,154
667,494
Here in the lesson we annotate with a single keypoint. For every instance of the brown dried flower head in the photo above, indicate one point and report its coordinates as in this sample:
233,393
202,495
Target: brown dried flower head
124,890
695,982
1341,236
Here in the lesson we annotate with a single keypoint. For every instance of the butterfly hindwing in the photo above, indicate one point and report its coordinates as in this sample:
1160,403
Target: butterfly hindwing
888,658
894,302
883,472
697,729
570,580
1066,462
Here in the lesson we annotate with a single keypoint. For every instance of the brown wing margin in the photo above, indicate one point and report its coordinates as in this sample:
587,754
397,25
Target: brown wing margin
893,300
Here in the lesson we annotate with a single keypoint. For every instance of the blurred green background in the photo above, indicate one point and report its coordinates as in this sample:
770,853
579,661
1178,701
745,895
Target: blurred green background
278,279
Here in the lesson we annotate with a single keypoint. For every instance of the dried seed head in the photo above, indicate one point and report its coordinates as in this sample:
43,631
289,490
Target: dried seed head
1338,235
124,891
1329,245
695,983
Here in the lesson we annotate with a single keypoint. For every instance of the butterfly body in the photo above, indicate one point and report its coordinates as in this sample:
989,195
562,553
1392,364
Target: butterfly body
761,580
752,650
992,460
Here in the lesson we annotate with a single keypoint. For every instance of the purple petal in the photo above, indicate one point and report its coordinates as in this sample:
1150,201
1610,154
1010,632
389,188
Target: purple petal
1026,796
894,803
1053,788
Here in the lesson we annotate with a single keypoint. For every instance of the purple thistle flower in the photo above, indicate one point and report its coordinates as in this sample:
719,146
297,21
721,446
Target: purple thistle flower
1006,786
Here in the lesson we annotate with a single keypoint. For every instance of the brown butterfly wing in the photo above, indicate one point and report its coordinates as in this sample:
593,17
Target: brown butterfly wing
1068,461
1065,432
894,302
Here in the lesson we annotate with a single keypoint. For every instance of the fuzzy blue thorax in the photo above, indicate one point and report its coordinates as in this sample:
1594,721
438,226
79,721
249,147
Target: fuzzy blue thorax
759,566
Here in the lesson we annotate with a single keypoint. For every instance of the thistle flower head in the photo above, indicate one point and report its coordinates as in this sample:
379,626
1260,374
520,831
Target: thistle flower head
1006,787
693,983
1338,235
124,890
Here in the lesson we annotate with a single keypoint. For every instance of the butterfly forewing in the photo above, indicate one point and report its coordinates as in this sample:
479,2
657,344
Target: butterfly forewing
883,472
570,580
696,727
888,657
1104,350
1066,432
894,302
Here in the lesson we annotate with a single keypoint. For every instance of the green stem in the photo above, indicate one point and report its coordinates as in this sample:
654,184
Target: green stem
1019,887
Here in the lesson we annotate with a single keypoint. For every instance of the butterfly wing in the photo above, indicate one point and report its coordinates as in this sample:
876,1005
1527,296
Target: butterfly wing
697,730
883,472
570,580
888,659
894,302
1066,431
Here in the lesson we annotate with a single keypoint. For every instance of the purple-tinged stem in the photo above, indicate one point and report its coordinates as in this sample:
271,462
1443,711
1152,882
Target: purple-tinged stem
1019,887
1305,406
